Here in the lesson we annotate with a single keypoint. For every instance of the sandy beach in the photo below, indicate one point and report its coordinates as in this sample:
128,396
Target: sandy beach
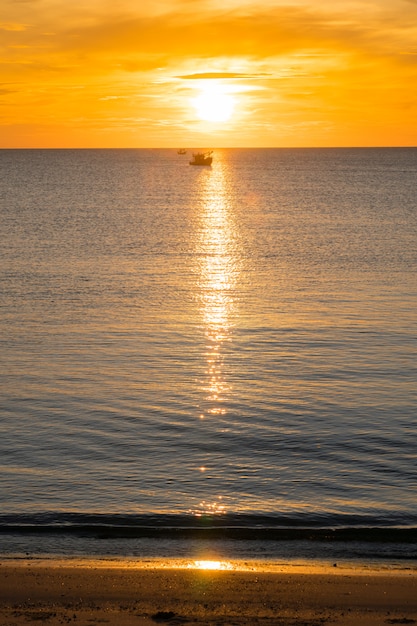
88,593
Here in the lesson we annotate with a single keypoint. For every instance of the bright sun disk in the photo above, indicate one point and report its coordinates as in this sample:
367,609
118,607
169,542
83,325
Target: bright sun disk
214,104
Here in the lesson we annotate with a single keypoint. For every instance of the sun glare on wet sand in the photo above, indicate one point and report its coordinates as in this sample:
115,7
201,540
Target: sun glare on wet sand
211,565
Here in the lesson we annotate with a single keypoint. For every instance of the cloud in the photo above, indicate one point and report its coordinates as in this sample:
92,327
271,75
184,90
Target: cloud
224,75
153,41
144,42
12,27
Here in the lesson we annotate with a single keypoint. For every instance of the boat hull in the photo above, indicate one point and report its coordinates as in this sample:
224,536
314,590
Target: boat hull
205,162
202,158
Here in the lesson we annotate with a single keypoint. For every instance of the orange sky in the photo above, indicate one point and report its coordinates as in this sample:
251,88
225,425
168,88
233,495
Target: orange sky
128,73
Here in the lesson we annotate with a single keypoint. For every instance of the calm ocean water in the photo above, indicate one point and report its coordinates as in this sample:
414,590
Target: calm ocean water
230,347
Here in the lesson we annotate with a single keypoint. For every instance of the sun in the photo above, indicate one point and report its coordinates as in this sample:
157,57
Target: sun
214,104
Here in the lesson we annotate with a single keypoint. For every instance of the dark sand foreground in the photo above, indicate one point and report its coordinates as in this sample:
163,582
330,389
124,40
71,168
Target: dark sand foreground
89,593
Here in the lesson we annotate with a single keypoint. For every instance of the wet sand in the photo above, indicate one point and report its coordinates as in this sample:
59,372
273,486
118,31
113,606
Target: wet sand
131,594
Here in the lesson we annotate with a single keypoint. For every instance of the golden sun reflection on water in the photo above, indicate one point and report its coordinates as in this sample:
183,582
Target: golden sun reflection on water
218,275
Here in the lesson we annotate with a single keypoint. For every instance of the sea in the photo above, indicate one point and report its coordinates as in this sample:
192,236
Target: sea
215,362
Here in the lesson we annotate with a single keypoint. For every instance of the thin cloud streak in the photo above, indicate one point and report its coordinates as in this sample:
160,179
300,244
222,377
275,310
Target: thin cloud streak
222,75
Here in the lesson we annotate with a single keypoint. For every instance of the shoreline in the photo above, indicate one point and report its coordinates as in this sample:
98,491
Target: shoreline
137,592
310,566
